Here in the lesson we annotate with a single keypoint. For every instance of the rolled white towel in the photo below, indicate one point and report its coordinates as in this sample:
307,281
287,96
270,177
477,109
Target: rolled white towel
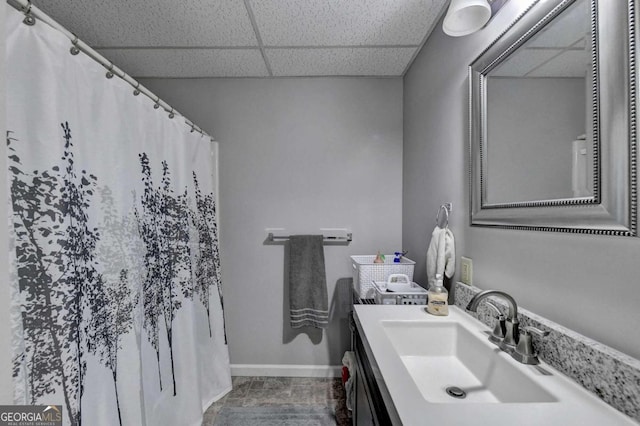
441,254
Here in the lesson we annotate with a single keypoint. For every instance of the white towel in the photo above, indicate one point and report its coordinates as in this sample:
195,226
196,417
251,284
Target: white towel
441,255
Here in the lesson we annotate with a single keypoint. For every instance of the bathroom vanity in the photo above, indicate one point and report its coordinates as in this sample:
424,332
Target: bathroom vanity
372,396
417,369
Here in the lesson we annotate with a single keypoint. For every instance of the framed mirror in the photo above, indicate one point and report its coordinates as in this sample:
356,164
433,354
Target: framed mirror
553,121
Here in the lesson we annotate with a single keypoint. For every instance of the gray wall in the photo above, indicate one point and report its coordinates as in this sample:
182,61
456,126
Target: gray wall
587,283
530,137
300,154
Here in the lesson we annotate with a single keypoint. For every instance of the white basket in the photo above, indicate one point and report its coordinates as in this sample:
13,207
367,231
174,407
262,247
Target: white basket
365,272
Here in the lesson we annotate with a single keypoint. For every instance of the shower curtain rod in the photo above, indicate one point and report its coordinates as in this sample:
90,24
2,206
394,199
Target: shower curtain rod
33,13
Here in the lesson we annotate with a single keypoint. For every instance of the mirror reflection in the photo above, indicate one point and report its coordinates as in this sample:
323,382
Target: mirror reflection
539,135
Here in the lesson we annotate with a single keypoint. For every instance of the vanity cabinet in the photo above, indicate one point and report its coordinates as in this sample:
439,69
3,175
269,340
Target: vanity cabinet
362,414
370,407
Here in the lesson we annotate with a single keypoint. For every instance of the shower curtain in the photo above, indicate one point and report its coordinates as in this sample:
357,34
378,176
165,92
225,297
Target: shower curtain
117,309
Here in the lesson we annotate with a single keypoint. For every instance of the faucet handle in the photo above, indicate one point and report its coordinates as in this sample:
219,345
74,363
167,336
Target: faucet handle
534,330
524,352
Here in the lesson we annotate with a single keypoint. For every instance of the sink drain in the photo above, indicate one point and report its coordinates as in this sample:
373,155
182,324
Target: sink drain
456,392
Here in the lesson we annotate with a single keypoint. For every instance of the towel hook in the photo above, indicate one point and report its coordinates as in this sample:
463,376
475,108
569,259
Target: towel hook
447,209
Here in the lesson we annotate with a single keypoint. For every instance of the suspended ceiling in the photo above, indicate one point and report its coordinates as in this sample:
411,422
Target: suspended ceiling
252,38
560,49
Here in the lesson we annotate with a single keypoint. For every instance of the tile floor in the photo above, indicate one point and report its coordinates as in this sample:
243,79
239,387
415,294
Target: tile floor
274,391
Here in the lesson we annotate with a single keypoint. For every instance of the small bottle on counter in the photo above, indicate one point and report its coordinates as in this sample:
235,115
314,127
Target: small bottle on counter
438,298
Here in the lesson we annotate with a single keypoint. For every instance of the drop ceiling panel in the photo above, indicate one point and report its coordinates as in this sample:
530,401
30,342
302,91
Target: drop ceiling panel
524,61
232,38
571,63
344,22
188,63
142,23
570,26
340,62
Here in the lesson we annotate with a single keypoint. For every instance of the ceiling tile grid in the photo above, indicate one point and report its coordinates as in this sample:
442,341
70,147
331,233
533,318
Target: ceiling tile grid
523,61
154,23
188,63
560,49
344,23
569,27
570,63
252,38
344,62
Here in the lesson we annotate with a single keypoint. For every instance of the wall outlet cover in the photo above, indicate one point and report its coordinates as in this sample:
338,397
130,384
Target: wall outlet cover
466,270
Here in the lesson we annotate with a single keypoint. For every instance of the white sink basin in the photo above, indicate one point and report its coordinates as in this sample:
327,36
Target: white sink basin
446,355
417,356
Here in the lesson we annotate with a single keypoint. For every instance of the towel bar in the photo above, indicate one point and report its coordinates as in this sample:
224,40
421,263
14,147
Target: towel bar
348,238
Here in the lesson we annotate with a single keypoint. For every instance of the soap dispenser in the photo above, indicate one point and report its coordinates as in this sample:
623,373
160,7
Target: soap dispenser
438,298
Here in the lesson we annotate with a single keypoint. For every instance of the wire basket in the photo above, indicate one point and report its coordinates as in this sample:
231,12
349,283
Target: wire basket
365,272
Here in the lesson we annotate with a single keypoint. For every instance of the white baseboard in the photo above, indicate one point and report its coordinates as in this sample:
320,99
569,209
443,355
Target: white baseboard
284,370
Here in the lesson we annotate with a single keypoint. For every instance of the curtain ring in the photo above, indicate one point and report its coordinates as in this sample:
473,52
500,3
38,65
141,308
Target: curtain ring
157,104
171,114
136,91
74,49
28,18
110,72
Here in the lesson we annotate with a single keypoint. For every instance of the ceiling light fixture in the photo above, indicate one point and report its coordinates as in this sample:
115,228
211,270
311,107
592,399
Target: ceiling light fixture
466,17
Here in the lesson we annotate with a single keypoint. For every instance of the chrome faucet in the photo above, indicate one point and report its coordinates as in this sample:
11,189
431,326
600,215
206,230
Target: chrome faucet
512,332
524,352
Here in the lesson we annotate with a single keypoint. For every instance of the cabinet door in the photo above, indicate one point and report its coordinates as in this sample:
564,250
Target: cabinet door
363,415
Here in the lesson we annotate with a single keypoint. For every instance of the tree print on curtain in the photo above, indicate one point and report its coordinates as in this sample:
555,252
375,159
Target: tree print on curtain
149,232
164,227
119,250
114,321
207,269
79,287
36,219
58,281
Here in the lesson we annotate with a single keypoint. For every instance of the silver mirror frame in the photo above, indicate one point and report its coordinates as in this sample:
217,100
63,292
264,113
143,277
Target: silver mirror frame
612,210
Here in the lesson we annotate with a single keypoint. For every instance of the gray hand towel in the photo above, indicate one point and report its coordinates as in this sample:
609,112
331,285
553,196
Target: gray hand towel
308,300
